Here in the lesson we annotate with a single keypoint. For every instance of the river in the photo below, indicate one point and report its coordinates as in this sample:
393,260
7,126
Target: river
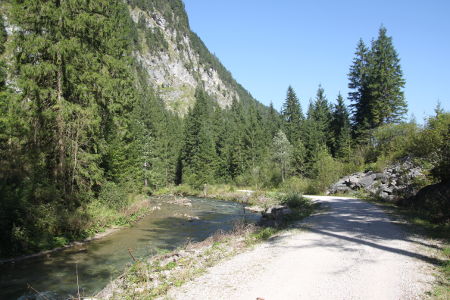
100,261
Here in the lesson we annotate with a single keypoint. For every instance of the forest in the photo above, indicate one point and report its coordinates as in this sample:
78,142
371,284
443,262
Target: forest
83,137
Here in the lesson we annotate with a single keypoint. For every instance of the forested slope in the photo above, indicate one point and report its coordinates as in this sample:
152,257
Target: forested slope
88,122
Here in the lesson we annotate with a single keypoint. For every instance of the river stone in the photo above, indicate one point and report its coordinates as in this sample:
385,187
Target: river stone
276,212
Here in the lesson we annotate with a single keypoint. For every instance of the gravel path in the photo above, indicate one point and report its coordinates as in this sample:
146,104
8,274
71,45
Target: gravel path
350,251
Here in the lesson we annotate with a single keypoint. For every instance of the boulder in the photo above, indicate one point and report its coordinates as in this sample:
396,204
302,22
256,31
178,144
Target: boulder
276,212
433,200
396,181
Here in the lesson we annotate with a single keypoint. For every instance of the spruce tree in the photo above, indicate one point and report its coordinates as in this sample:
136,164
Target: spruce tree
377,82
199,158
292,116
293,123
386,82
340,128
273,121
359,97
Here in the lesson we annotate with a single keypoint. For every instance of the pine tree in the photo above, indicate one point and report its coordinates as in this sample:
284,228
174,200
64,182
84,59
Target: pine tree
317,128
293,123
340,126
386,82
292,116
358,83
199,156
273,121
377,81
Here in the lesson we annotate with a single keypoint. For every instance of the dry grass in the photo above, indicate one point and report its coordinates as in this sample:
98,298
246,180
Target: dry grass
148,279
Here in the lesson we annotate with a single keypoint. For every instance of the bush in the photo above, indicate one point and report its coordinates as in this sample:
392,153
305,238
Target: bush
327,171
294,200
114,195
393,140
296,185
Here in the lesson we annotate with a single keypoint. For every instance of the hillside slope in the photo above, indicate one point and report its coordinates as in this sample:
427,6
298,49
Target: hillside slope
175,59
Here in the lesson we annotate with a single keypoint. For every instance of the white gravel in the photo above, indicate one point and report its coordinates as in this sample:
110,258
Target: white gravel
350,251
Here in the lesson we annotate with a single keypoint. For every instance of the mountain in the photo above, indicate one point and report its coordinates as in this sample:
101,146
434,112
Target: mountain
175,60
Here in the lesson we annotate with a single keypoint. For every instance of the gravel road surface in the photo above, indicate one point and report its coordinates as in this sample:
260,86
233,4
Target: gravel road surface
351,250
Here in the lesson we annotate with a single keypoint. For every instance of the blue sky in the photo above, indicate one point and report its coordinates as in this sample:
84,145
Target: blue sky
268,45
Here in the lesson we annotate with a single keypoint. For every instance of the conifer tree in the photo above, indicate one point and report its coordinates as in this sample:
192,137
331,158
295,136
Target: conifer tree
273,121
341,131
386,82
358,82
377,81
293,123
317,128
292,116
199,152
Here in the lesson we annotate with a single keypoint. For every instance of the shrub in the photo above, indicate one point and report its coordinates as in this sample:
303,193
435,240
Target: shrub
296,185
294,200
114,195
327,171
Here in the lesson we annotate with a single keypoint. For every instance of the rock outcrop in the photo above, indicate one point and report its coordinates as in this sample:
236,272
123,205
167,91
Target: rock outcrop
176,61
395,182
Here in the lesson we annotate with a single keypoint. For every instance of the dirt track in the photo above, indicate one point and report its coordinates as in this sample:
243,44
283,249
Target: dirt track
352,250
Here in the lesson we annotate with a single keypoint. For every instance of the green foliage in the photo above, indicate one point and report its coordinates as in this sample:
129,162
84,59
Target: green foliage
282,153
293,200
431,145
292,116
298,185
154,37
114,196
3,35
264,234
391,141
377,81
341,142
199,153
326,171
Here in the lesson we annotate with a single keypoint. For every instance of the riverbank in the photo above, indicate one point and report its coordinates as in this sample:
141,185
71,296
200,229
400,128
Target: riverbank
165,229
104,221
153,277
98,220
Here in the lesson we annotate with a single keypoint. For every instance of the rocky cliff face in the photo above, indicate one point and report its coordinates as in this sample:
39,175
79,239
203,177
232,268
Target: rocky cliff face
175,60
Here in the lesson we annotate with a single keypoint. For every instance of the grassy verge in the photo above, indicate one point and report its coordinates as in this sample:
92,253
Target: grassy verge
417,223
153,277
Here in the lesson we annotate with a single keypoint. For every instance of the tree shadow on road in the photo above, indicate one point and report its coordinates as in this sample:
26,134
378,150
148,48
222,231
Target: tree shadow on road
355,221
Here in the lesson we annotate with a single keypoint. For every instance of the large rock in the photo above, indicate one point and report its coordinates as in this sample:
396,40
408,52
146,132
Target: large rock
274,216
432,200
395,182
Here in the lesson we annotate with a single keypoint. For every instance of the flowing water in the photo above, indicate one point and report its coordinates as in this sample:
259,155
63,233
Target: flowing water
100,261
